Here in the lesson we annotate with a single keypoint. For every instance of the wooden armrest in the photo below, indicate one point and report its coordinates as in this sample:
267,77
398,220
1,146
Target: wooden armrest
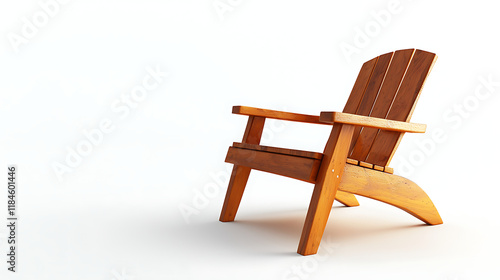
336,117
272,114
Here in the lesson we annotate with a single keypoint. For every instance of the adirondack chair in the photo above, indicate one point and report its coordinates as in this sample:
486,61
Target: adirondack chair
360,147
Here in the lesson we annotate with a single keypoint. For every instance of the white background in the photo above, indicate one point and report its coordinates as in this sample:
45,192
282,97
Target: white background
117,214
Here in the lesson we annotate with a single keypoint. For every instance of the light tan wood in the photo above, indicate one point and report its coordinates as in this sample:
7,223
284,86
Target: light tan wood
389,125
240,174
386,169
273,114
365,164
378,168
347,199
329,176
352,161
391,189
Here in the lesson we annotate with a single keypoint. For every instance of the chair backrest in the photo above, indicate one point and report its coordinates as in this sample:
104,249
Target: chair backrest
387,87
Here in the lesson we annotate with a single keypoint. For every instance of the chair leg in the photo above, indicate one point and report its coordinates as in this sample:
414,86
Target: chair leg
239,176
316,219
391,189
325,189
347,199
237,183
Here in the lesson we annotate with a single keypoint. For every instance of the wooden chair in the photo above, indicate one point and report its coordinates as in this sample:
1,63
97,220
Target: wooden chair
355,160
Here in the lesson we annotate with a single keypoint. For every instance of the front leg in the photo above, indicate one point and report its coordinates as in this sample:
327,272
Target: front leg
239,176
325,189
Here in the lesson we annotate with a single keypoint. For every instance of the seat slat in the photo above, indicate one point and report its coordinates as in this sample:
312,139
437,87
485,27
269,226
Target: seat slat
297,153
300,168
290,152
386,142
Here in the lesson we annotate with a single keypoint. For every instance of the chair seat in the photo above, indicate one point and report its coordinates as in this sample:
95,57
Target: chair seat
306,154
276,150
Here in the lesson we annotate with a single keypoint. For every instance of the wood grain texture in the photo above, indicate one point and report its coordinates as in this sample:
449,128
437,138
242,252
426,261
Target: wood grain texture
347,199
300,168
253,130
298,153
325,189
378,168
361,144
362,121
372,89
370,93
382,103
352,161
276,150
309,171
240,174
235,189
273,114
385,143
358,90
391,189
366,164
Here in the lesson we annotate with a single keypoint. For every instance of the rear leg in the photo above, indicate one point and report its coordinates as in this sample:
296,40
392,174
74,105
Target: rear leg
347,199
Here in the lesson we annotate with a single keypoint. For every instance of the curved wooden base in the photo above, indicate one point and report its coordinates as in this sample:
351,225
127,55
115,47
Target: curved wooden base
346,198
391,189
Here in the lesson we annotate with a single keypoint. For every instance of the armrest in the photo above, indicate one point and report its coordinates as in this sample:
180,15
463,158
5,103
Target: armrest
336,117
272,114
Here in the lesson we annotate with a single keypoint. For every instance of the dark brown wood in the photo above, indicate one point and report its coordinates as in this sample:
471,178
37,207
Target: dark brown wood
279,150
388,91
300,168
371,92
386,142
376,80
254,129
359,87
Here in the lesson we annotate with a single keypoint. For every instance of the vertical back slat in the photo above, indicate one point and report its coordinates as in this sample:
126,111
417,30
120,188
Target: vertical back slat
388,91
358,90
372,89
402,106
